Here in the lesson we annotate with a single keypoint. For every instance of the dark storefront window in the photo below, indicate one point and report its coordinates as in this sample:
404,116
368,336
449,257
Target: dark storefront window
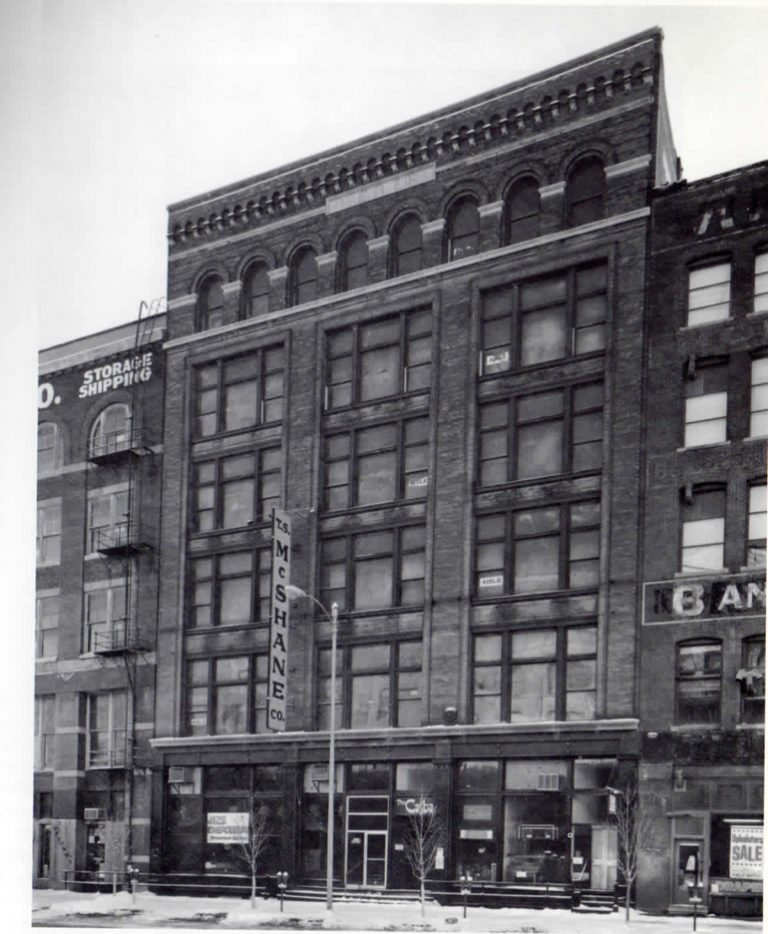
381,464
548,548
535,675
379,359
557,316
239,392
541,435
378,685
374,570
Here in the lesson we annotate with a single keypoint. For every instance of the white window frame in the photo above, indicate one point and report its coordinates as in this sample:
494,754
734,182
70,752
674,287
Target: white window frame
41,597
760,298
48,514
116,755
758,398
114,613
709,293
116,518
119,439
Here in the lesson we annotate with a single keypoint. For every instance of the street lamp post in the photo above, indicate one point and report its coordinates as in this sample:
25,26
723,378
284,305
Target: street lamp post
333,617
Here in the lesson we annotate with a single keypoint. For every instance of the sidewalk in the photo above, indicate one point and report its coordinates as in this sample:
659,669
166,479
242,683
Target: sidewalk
151,911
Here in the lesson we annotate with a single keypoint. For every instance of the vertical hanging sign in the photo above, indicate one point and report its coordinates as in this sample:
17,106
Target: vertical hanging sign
278,620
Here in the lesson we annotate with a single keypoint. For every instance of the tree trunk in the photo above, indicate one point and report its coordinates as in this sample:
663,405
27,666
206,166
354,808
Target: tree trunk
626,903
253,889
423,898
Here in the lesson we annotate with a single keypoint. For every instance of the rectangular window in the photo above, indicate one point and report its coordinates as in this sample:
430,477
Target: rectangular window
536,550
709,293
49,533
47,626
239,392
375,465
378,685
538,675
374,570
699,668
758,420
45,731
752,678
229,589
226,695
756,526
106,618
545,319
541,435
107,730
107,520
236,491
379,359
706,406
703,533
761,282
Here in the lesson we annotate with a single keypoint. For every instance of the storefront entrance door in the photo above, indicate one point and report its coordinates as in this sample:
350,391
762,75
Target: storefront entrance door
686,868
365,856
604,851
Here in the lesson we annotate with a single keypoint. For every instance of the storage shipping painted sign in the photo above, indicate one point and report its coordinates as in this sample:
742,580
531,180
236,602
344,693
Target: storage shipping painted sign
746,851
703,598
227,827
278,625
120,372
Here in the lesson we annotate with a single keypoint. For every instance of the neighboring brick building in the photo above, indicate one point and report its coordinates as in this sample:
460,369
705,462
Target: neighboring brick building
703,625
425,346
99,435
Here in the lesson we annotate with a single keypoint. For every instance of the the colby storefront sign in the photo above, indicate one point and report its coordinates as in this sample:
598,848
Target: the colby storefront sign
118,373
227,828
408,807
703,598
746,858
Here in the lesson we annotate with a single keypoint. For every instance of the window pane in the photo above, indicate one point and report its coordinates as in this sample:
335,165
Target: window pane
373,584
235,601
231,709
487,648
543,336
536,565
539,450
370,657
240,403
370,701
238,503
582,640
380,373
534,644
377,478
532,692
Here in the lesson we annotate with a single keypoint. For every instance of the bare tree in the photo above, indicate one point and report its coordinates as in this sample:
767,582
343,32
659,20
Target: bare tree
423,837
630,824
258,835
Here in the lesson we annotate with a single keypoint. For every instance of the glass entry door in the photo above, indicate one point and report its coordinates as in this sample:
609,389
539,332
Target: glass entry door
687,868
604,853
366,840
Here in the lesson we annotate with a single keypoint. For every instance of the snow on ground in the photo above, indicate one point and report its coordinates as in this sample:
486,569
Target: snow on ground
151,911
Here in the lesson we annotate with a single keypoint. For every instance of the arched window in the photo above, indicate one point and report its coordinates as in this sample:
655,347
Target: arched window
463,229
48,447
353,265
255,291
111,431
698,676
210,305
303,280
586,191
407,252
523,207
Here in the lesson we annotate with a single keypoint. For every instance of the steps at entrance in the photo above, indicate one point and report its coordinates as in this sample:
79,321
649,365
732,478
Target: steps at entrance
594,901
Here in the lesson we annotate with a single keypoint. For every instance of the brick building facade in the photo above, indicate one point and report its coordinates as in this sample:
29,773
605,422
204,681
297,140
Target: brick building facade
99,436
426,347
703,623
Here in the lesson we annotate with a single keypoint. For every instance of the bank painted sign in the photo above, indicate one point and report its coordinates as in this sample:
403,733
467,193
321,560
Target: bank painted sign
227,827
278,625
746,860
701,598
120,372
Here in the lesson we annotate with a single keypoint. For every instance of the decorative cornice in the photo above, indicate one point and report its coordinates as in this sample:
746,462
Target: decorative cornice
559,100
181,301
629,165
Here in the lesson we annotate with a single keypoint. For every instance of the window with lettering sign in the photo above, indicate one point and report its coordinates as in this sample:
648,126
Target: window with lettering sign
549,318
379,464
553,547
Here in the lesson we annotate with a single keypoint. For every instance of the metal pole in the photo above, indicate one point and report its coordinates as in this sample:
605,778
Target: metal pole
331,763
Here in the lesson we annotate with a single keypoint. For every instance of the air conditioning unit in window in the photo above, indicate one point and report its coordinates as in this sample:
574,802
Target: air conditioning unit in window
93,814
550,781
181,774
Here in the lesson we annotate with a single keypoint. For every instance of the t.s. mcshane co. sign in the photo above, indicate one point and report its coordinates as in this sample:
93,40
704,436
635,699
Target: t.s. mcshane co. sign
278,620
703,598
